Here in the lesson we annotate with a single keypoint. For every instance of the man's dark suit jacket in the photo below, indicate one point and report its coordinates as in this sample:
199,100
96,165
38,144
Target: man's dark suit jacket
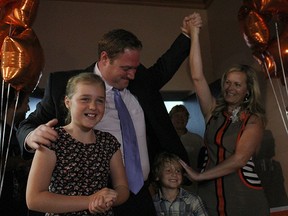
161,135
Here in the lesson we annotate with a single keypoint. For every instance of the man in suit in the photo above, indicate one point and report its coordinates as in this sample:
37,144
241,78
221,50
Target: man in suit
119,66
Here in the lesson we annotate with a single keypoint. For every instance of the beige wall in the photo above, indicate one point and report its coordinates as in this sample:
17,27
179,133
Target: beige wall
69,31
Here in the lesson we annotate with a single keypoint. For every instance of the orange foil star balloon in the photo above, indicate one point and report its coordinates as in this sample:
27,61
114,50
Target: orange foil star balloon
22,13
22,60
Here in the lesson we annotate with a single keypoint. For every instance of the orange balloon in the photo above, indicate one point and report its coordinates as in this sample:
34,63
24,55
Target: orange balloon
273,48
251,4
4,31
3,8
255,31
271,6
22,13
266,60
22,60
7,30
258,19
3,3
273,58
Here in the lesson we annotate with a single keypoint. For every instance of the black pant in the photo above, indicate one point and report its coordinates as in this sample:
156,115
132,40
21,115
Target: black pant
140,204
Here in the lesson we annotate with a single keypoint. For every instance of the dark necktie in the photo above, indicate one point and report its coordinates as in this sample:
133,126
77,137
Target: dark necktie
130,145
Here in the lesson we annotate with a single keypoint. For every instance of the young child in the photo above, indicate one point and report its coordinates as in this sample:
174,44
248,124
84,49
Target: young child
72,174
170,198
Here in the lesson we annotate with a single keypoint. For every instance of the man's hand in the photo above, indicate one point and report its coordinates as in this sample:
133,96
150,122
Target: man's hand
43,135
191,20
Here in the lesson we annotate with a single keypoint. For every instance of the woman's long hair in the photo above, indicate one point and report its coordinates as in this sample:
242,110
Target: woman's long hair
252,102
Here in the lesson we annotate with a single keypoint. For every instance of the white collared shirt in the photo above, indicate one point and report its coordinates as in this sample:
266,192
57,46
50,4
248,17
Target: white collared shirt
111,122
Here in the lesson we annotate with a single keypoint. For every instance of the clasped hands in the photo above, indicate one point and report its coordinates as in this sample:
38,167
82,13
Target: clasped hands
102,200
190,23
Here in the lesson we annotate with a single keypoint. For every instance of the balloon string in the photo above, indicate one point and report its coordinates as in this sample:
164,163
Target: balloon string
9,140
10,28
1,128
4,131
1,115
276,98
3,139
2,98
280,56
283,71
281,94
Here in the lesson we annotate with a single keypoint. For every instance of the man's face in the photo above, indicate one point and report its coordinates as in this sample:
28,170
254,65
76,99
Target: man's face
120,70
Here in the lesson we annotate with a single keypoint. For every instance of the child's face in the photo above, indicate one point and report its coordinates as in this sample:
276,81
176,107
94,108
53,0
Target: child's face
87,105
171,176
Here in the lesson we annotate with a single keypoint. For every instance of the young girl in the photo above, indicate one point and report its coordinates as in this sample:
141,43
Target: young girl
72,175
170,198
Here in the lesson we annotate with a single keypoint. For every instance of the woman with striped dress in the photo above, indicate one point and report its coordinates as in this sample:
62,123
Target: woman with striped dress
235,123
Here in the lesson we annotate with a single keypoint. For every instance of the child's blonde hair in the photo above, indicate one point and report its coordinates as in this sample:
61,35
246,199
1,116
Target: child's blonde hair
159,164
85,77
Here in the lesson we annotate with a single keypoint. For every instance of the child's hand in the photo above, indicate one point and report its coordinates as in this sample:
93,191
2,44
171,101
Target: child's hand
102,200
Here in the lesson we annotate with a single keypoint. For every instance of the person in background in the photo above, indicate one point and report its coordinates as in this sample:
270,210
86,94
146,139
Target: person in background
171,198
71,176
119,65
235,123
192,142
12,201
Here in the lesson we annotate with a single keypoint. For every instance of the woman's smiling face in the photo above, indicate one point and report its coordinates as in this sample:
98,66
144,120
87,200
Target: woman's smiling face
235,88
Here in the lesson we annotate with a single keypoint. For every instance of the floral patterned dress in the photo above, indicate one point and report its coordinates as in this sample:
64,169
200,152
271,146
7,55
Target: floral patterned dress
82,169
239,193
